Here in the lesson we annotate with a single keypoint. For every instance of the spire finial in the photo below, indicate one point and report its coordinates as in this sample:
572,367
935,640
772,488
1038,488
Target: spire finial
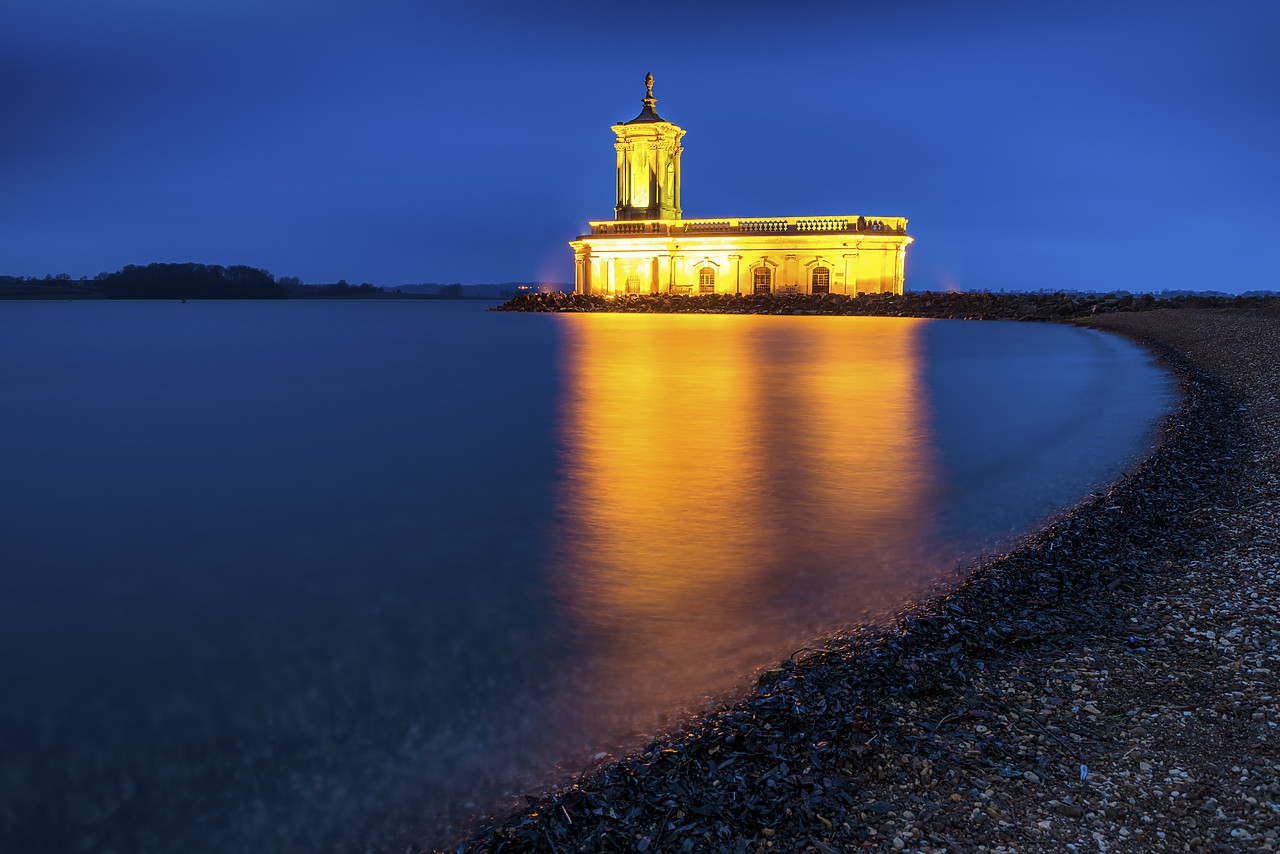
648,114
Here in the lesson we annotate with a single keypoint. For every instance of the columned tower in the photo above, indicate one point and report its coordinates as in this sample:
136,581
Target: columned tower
649,248
648,164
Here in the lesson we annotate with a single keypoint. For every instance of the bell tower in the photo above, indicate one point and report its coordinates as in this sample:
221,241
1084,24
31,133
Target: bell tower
648,164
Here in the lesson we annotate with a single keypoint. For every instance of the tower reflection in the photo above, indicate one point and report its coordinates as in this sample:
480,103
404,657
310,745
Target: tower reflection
733,487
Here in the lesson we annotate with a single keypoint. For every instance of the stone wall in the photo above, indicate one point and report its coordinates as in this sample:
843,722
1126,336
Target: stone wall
967,306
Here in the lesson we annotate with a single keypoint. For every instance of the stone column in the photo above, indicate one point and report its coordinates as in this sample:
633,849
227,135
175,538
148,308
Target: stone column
676,189
624,180
659,196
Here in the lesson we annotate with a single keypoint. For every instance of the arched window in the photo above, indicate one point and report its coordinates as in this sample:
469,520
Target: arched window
763,279
707,280
633,284
821,281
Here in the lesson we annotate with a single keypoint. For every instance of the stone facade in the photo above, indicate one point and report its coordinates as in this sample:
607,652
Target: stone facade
650,249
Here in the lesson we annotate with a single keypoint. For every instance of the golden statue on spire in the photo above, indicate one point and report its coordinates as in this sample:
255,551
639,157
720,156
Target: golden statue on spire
648,85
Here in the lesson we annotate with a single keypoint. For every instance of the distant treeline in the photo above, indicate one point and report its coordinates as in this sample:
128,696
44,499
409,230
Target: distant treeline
190,281
502,290
204,281
59,285
1167,293
60,279
341,289
182,281
211,281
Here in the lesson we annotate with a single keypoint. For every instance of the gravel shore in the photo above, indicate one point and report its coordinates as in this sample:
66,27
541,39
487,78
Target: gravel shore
1111,685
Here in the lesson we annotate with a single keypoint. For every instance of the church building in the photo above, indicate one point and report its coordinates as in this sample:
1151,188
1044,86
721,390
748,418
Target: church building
647,248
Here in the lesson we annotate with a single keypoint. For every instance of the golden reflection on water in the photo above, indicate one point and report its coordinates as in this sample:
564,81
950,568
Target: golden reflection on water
733,485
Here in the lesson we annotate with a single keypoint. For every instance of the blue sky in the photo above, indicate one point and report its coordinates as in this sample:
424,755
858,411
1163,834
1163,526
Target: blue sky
1092,145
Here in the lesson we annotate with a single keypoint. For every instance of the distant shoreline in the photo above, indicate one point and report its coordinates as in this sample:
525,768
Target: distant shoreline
53,296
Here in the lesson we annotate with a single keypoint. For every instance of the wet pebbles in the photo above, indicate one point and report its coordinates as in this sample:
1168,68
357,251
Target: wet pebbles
1111,685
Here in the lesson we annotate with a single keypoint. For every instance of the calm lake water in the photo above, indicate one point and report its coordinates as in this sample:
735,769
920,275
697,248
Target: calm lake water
302,576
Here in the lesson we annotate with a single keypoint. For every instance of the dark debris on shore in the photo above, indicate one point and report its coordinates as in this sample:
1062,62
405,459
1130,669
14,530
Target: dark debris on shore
960,306
869,742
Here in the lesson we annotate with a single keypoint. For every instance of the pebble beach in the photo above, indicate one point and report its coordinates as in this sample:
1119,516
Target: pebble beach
1110,685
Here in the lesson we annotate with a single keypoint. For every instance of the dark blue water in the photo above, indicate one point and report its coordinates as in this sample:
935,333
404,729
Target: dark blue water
334,575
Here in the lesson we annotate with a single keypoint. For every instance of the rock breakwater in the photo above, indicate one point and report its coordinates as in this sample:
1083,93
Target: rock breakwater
962,306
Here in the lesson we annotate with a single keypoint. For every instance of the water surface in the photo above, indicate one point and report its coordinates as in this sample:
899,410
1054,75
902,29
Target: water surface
332,575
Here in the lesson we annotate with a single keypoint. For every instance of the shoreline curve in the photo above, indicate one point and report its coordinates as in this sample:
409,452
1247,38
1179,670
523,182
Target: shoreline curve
951,730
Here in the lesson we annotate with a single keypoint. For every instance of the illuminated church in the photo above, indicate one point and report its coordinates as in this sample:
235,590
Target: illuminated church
648,249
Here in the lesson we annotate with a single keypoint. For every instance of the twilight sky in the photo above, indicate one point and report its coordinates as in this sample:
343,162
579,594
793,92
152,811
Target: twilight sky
1093,145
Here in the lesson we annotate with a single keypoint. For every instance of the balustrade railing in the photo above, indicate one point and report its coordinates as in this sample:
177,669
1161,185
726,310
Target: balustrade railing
636,227
823,224
706,224
777,226
773,225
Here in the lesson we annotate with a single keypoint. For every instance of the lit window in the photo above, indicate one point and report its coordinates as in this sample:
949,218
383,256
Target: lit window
633,284
763,280
707,280
821,280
